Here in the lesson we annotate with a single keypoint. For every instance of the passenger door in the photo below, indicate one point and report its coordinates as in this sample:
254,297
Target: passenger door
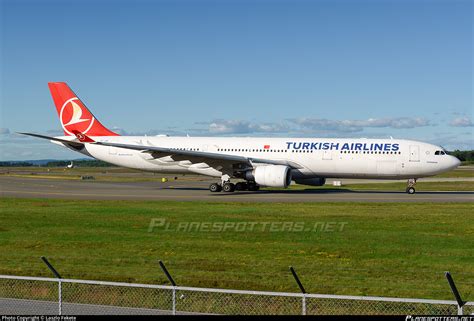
327,155
414,153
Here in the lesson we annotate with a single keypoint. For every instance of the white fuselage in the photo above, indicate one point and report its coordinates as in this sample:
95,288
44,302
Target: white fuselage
314,157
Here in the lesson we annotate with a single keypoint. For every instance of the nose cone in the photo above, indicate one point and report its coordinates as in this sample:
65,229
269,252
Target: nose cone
453,162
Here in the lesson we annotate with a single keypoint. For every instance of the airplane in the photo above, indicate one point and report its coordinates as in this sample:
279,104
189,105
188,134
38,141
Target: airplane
256,162
70,165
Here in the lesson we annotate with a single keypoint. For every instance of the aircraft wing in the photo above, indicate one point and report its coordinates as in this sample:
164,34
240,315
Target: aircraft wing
199,156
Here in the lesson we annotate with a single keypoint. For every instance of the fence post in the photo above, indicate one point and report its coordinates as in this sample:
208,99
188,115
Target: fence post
168,275
455,291
300,285
58,276
174,301
60,295
303,312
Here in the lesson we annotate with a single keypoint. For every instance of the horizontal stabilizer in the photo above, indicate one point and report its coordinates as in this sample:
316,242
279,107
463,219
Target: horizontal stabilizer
74,144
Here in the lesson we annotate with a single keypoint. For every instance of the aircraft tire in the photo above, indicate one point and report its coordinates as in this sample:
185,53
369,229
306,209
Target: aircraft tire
411,190
214,188
228,187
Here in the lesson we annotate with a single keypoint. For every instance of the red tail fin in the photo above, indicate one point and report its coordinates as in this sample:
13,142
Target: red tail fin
73,114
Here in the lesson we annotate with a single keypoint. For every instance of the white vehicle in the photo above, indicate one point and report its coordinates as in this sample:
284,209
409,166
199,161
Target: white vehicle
274,162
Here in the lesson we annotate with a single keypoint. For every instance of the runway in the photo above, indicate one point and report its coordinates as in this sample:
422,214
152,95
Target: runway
197,190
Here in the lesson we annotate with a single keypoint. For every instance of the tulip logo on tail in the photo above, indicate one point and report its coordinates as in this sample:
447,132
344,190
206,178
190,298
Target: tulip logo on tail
75,117
81,137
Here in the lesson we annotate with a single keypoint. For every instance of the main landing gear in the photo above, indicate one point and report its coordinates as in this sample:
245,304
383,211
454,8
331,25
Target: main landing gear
410,186
228,187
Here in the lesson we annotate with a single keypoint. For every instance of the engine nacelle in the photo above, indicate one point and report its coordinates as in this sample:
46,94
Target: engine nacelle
319,181
270,175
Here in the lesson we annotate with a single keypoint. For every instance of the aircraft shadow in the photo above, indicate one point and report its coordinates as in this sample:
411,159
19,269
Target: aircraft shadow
341,191
321,191
183,188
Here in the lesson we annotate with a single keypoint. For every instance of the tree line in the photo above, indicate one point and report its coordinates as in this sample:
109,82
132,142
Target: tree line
58,163
464,155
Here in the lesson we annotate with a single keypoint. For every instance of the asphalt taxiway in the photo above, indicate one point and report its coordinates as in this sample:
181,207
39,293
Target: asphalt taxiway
197,190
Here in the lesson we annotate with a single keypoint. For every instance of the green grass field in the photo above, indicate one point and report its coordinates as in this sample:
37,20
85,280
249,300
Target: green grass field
383,249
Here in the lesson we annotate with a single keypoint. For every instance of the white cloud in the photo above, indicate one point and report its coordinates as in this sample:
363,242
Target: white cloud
360,125
119,130
221,126
463,121
309,125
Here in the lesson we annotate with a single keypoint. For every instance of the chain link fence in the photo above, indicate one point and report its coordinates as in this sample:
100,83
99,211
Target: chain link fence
33,295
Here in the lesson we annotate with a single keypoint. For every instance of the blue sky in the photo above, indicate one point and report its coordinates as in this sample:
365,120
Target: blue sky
252,68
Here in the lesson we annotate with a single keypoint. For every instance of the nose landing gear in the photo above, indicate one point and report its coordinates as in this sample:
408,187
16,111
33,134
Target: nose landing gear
410,186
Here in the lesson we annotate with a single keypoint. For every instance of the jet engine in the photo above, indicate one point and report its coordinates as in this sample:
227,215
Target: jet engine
318,181
270,175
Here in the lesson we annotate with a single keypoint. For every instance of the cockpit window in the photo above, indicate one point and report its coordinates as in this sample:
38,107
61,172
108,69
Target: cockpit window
440,152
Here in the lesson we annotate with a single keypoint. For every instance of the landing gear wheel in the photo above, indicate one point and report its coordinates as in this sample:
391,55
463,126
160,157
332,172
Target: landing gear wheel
228,187
410,186
241,186
214,187
410,190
